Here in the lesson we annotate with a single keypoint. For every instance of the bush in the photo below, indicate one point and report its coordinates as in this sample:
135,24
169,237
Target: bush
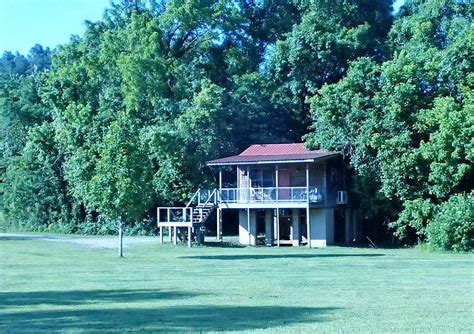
411,224
452,227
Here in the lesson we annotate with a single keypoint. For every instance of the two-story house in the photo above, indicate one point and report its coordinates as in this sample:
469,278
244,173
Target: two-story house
285,195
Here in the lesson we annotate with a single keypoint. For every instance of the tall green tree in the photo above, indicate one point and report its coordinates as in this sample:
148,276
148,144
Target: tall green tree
320,46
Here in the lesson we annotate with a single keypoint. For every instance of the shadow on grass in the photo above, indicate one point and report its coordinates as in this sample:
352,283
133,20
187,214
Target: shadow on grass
79,297
218,244
166,319
17,238
275,256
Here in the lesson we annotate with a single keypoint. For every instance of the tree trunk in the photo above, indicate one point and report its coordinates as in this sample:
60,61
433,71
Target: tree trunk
121,237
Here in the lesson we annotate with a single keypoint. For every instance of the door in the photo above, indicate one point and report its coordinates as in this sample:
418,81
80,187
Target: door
283,182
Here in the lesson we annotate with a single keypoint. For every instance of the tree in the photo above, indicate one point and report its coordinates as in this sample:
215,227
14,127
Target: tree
119,187
36,197
321,44
27,161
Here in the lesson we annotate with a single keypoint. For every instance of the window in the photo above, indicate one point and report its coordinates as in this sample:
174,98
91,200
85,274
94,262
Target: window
262,178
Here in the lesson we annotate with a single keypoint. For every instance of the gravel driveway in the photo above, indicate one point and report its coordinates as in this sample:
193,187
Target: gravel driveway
92,242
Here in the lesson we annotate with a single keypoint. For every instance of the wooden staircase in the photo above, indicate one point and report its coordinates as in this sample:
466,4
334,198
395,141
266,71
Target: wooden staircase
201,213
190,217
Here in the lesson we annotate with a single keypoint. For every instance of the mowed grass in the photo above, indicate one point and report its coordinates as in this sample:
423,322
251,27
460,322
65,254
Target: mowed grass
61,287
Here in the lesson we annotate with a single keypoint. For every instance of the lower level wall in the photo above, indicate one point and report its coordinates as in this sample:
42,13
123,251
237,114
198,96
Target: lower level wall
248,227
321,227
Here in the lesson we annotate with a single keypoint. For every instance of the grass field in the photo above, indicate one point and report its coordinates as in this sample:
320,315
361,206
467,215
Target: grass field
63,287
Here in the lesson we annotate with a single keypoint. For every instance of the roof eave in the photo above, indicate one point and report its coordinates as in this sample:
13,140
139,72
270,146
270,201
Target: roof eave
267,162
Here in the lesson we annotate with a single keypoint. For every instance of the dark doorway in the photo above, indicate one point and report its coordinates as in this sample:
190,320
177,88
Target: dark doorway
285,224
340,225
303,227
230,222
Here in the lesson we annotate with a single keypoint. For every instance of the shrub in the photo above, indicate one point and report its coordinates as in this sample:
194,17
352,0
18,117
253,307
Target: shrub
452,227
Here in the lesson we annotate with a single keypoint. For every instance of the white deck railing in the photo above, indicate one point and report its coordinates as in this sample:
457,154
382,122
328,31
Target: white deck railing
270,195
181,216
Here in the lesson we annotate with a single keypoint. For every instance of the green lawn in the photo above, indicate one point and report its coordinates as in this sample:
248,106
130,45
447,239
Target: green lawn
46,286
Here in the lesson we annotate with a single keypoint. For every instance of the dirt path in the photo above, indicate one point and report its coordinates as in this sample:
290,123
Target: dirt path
92,242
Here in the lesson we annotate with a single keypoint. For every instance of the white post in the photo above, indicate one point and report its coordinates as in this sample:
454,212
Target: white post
248,223
276,181
249,185
307,183
175,239
189,236
278,227
220,179
308,226
170,233
219,212
218,224
161,234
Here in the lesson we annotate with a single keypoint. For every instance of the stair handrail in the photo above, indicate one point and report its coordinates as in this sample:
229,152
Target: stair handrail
210,196
213,193
197,193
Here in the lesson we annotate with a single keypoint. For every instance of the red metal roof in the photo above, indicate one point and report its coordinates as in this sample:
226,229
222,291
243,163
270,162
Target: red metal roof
273,153
275,149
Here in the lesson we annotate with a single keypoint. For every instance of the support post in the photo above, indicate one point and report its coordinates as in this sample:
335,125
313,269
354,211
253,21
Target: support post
161,234
307,183
278,227
220,179
248,224
170,233
175,237
219,224
189,236
276,182
308,226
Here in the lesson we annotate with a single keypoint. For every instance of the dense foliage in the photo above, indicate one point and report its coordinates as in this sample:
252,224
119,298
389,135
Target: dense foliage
123,118
408,123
